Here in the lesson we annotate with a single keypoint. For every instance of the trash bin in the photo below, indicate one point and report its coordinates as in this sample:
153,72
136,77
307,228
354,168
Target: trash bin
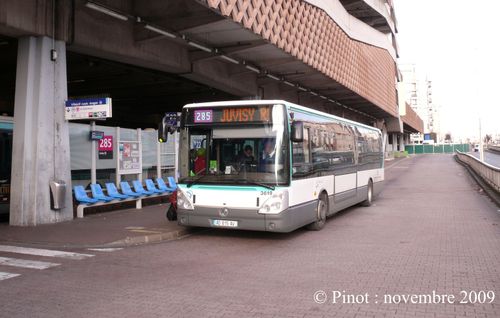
57,194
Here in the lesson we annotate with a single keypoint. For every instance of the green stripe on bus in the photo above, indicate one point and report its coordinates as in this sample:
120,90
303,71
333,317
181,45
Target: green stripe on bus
8,126
224,187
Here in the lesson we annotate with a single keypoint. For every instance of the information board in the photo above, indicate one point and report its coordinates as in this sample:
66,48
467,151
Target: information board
92,108
105,147
129,157
96,135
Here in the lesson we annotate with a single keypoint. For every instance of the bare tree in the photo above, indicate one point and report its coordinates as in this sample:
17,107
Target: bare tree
487,139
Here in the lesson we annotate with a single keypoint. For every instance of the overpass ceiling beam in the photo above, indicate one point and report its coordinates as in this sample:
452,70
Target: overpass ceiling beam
199,26
241,47
251,67
197,56
278,62
202,56
103,9
348,99
228,59
178,15
272,76
159,31
148,32
197,45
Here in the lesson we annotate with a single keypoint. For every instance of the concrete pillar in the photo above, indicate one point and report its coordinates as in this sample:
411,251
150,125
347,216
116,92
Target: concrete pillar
41,139
385,140
402,142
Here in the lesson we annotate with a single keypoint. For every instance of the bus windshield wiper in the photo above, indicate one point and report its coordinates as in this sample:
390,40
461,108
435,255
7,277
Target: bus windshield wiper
195,181
268,186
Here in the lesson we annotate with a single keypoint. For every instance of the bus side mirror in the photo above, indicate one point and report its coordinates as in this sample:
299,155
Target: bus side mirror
163,129
297,133
168,125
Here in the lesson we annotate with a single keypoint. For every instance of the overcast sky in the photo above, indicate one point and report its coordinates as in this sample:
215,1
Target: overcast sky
456,44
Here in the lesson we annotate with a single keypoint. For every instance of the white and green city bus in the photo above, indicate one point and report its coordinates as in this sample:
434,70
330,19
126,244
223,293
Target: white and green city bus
6,127
270,165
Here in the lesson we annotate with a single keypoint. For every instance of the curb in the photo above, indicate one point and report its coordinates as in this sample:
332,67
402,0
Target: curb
150,238
394,162
126,242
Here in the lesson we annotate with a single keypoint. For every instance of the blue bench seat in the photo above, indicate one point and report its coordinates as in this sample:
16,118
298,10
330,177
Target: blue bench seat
163,186
98,194
82,197
128,191
140,189
113,192
172,183
150,186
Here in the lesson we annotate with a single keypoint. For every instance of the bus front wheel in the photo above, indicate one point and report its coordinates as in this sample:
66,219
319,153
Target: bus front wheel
321,210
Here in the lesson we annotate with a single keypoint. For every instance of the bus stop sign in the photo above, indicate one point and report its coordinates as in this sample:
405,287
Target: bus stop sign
171,118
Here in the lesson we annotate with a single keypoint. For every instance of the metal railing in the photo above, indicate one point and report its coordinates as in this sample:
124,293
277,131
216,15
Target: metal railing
436,148
490,174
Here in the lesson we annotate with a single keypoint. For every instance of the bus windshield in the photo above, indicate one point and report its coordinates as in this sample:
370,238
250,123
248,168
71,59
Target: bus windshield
247,154
5,165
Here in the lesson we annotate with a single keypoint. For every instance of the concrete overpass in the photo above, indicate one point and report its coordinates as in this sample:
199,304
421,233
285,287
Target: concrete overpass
335,56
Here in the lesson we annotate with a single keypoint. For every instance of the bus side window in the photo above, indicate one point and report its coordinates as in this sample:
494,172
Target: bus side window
342,149
301,159
319,155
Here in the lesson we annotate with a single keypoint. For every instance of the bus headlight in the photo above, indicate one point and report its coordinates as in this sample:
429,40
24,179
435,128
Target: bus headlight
275,204
184,200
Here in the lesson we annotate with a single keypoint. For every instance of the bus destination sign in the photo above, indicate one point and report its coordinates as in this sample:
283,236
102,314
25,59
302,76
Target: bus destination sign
250,114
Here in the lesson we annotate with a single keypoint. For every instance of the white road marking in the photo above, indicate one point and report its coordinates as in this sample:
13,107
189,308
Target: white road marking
26,263
106,249
43,252
4,275
146,231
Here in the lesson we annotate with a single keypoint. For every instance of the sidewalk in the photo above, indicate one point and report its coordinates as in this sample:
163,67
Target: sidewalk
110,229
389,162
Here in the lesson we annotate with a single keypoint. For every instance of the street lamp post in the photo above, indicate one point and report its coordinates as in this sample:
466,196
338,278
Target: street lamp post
481,150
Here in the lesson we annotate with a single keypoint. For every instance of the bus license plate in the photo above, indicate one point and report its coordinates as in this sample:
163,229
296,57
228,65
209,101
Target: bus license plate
225,223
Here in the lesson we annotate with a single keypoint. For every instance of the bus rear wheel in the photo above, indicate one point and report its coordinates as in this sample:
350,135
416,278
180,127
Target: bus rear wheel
369,195
321,210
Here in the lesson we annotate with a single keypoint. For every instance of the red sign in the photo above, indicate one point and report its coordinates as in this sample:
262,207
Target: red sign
105,147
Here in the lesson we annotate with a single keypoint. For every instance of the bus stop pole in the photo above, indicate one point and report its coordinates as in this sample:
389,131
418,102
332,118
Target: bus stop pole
138,204
139,141
158,159
176,156
93,169
117,147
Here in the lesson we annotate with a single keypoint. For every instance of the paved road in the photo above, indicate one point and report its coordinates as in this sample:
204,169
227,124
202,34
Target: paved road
493,158
431,229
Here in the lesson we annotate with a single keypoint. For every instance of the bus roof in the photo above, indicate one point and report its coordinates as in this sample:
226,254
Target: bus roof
277,101
237,102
